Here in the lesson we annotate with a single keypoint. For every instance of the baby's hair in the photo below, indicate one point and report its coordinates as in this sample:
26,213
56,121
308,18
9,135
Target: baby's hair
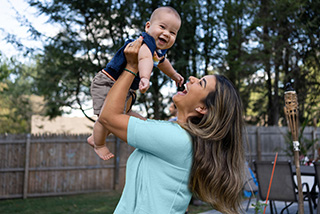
168,9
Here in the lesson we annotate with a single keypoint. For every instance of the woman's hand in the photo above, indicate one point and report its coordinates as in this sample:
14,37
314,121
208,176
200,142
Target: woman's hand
131,52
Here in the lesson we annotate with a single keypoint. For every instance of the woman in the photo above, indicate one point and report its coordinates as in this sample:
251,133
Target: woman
201,153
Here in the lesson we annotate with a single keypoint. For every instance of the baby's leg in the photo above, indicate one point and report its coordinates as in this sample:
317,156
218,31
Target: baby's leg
100,87
97,141
99,135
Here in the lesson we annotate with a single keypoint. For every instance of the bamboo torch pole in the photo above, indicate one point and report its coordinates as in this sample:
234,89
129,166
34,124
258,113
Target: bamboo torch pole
291,112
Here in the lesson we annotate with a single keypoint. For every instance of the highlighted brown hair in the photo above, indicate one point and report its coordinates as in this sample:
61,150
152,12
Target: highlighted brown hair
218,149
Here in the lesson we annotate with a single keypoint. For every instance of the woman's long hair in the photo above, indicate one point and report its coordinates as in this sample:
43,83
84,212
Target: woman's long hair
218,165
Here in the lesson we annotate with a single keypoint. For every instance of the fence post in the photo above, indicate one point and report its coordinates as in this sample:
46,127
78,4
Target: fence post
116,164
258,143
26,168
315,144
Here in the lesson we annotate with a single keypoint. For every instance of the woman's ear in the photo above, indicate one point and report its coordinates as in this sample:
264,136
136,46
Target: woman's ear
202,110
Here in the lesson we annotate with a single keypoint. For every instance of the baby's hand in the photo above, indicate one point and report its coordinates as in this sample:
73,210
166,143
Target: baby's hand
178,79
144,85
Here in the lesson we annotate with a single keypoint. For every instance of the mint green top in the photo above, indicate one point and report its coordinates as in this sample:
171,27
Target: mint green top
158,170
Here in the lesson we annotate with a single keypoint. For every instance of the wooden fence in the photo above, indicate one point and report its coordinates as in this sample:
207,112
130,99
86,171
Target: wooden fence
264,142
51,165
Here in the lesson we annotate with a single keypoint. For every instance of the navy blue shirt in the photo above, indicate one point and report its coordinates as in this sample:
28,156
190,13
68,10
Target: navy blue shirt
118,62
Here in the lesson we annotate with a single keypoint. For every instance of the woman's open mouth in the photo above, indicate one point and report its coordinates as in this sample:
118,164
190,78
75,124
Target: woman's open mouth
185,91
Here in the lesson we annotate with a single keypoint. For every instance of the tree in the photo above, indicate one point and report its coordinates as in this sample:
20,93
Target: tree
210,38
73,56
237,55
79,50
259,45
306,74
16,99
283,38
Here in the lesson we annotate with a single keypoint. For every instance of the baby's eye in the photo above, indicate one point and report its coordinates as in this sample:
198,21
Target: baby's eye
161,26
173,33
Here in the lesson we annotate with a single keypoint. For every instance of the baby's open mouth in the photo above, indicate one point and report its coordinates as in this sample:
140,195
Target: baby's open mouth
162,40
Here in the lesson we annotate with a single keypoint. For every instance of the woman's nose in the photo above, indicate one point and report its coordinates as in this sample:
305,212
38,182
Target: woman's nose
192,79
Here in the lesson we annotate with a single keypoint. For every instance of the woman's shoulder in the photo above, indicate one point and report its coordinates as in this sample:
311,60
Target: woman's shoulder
160,125
166,123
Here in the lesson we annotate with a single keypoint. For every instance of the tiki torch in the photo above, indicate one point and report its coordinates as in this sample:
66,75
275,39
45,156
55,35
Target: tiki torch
291,112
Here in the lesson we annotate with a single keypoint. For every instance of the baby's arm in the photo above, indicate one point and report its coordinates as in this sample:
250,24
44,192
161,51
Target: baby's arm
145,67
167,68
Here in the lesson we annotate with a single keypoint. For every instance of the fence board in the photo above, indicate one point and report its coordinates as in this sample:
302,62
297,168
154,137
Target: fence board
26,168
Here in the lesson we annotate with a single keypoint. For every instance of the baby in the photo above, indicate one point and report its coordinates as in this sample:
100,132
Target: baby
160,34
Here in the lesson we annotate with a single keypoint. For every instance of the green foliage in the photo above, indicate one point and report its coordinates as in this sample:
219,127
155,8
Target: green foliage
4,69
259,206
306,145
258,45
16,106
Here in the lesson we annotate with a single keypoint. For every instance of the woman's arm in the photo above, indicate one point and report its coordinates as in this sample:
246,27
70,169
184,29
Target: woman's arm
112,116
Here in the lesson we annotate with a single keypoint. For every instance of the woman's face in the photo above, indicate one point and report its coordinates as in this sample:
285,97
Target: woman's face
196,90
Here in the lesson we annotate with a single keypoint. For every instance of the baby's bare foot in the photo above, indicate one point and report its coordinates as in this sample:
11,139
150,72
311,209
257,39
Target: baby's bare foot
103,152
90,141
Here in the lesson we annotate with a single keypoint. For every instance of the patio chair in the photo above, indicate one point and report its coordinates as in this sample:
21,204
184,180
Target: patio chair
317,170
250,185
283,187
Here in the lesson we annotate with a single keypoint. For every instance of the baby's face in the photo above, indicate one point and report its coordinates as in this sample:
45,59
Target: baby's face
164,29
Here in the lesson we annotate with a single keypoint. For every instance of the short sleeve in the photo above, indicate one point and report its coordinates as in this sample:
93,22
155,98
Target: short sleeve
164,139
150,42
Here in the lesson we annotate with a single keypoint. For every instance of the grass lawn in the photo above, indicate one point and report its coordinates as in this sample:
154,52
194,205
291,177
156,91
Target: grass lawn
85,204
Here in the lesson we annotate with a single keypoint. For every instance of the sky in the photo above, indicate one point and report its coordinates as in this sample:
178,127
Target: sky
10,11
